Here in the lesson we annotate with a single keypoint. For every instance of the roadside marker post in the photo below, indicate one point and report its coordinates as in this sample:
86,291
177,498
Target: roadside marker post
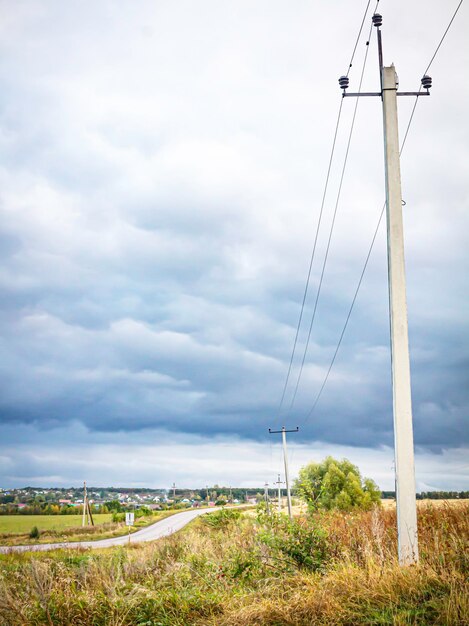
129,520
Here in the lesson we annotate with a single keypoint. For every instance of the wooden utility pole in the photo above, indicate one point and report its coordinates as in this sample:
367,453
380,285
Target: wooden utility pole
83,521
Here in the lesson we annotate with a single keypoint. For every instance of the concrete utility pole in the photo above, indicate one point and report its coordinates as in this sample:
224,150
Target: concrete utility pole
279,483
266,497
402,403
174,491
285,461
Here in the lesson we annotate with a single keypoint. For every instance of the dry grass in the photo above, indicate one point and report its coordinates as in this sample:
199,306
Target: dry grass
230,576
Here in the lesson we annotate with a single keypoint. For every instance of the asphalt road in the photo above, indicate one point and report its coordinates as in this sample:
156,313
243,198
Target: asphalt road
163,528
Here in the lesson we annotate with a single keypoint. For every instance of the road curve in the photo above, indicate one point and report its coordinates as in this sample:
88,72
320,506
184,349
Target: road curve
163,528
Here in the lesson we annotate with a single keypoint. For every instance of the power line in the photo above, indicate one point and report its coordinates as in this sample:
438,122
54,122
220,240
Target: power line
443,37
318,293
348,315
359,33
313,253
375,233
428,67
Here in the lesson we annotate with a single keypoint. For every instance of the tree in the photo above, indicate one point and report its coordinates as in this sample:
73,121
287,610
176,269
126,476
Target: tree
335,484
114,506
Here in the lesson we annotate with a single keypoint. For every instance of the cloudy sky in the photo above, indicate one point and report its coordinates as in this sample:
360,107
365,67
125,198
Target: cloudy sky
162,170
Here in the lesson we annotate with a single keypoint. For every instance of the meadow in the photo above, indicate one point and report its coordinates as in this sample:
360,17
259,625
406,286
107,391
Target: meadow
16,529
229,569
17,524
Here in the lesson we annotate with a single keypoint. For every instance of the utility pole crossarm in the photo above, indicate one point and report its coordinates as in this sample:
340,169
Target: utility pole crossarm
274,432
379,93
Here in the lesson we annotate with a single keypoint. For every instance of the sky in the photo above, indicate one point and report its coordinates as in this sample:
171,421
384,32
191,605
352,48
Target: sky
161,178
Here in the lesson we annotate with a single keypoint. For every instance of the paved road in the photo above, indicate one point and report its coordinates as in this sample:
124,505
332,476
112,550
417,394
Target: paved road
163,528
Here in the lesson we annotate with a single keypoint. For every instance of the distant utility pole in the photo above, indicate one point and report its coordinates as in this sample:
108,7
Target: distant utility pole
285,460
174,491
279,483
402,403
87,514
266,496
85,509
231,495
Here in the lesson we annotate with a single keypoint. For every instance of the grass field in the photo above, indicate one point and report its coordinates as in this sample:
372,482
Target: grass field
15,529
18,524
332,569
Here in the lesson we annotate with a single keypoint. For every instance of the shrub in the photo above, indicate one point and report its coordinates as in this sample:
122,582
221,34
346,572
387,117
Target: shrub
222,518
34,534
302,543
144,511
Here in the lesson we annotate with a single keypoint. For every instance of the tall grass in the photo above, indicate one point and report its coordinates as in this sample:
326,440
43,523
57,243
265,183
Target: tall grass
330,569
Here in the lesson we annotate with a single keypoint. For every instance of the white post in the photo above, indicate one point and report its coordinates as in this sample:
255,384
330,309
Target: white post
287,479
279,495
402,403
266,496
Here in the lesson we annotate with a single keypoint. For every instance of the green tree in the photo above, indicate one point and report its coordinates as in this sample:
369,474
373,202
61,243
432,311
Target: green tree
335,484
114,506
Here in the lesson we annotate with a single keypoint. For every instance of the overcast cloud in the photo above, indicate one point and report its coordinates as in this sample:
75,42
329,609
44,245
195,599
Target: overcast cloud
160,184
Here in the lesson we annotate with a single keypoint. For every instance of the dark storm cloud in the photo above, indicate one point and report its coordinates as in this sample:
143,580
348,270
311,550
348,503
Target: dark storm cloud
160,192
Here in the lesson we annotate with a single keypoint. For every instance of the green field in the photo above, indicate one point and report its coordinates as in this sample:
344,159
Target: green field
16,524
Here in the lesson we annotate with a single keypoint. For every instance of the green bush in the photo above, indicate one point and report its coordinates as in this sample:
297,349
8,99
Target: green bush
34,534
296,542
143,512
222,518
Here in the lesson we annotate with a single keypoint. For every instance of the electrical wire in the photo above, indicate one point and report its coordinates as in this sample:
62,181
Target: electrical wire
444,35
312,256
326,184
348,316
331,230
359,33
428,67
375,234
